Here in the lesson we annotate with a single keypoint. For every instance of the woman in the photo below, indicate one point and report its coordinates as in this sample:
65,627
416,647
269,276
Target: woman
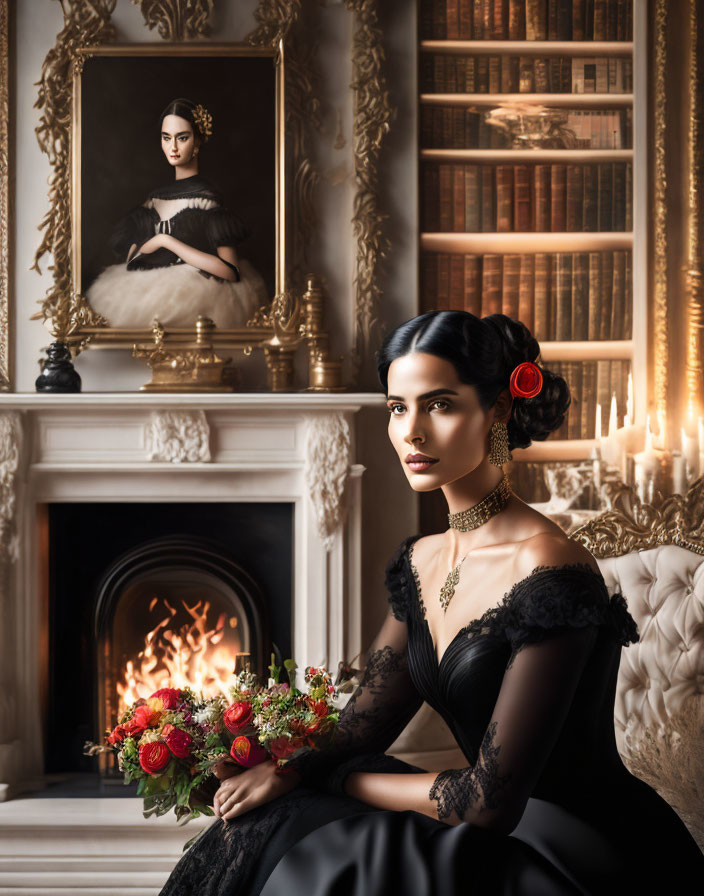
178,249
526,681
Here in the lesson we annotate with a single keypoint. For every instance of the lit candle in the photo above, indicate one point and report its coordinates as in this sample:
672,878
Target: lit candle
648,435
679,476
700,434
611,450
597,425
690,450
662,426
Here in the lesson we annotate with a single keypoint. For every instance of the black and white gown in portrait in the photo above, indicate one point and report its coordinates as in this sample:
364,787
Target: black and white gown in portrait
528,690
159,284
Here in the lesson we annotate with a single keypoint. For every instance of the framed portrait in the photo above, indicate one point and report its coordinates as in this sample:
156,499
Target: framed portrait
139,209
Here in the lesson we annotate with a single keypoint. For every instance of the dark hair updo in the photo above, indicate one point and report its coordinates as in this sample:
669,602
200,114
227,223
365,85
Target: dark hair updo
187,109
484,352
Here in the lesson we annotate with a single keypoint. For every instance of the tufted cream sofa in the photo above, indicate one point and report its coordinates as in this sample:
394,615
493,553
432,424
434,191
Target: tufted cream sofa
655,557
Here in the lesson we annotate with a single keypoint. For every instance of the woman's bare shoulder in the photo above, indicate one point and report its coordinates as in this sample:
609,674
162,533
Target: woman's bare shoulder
552,549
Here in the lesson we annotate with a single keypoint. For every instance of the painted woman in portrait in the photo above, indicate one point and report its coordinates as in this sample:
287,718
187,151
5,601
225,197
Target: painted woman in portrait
178,250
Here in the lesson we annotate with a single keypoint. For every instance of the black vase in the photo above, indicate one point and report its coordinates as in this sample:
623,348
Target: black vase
58,373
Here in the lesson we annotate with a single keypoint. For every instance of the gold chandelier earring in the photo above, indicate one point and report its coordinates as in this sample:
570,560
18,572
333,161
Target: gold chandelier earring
499,453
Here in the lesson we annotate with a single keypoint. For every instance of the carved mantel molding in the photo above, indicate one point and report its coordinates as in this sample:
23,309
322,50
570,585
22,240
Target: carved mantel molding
178,437
327,470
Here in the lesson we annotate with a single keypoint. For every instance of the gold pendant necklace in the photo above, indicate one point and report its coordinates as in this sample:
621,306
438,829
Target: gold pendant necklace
472,518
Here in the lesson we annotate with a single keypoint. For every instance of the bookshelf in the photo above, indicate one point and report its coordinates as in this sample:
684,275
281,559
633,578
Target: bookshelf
550,231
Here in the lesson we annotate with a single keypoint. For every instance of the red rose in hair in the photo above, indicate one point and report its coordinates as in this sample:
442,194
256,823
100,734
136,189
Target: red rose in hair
247,751
154,757
145,716
170,697
237,716
179,742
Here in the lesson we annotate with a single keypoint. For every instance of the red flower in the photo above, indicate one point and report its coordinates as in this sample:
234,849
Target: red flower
247,751
281,747
237,716
179,742
320,708
145,716
154,757
526,380
170,697
132,728
117,735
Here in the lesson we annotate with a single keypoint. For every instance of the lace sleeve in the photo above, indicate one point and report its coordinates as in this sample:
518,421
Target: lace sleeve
552,639
378,710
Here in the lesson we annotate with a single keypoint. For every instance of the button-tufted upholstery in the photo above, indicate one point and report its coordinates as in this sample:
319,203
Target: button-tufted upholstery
659,712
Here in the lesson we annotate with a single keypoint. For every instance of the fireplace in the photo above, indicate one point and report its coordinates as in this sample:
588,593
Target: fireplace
131,612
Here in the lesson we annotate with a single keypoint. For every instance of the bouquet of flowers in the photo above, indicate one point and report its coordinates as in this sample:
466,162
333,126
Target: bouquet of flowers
170,742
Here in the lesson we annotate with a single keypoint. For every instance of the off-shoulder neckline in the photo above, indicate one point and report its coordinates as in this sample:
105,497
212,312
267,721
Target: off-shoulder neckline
493,610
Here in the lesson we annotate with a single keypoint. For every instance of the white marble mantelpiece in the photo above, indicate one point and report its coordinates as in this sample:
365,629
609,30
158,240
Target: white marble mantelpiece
124,447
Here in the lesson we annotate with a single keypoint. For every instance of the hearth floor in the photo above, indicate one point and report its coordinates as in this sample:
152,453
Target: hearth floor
93,846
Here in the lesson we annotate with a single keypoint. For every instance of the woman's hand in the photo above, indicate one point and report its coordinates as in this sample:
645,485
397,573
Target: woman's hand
253,787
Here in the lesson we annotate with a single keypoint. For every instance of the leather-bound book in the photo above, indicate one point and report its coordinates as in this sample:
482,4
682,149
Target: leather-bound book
590,200
472,199
446,128
431,199
425,20
439,20
491,284
457,282
607,273
504,198
577,19
526,75
541,323
541,75
629,197
488,17
536,20
469,75
594,330
458,198
482,74
552,20
459,137
580,296
521,198
473,284
586,429
443,297
516,20
612,20
511,283
440,73
450,74
499,20
558,198
574,418
509,74
488,199
478,21
445,176
494,74
628,301
465,18
542,198
603,395
618,307
429,282
564,19
526,306
575,188
606,198
600,13
453,19
563,309
619,181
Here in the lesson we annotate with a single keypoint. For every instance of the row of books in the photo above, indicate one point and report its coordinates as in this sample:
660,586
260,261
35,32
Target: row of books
558,296
443,127
590,383
450,73
526,20
527,198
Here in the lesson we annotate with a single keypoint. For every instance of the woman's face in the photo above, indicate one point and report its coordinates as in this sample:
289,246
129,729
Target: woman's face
177,140
432,413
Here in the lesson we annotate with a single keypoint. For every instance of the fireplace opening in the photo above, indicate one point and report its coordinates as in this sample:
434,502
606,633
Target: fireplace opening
148,596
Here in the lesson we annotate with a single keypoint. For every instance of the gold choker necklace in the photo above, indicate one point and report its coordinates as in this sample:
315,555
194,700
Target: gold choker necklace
475,516
471,518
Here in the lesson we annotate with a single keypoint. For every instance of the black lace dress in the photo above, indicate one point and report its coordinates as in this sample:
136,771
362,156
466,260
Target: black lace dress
544,806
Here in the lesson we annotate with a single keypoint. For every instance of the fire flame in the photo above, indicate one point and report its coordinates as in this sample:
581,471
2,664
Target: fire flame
190,655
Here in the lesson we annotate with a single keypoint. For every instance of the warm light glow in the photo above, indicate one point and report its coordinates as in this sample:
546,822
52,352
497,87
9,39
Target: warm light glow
190,656
630,415
613,416
597,425
648,434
